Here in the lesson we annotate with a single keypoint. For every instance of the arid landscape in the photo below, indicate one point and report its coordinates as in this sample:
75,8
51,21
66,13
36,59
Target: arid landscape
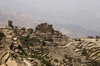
45,46
49,33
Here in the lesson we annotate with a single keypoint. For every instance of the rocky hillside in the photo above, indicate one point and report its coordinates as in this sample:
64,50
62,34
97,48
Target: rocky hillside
43,47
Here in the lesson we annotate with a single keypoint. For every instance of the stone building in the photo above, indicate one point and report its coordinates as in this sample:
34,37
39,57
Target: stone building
48,36
44,27
30,30
16,27
22,28
97,37
10,23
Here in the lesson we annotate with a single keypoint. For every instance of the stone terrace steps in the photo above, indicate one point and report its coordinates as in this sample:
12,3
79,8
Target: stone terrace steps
3,55
5,58
94,53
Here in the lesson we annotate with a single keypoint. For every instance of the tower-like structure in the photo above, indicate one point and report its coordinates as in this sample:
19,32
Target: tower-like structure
10,23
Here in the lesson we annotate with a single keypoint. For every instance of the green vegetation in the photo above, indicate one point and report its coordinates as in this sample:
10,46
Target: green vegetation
46,62
34,39
15,30
79,60
20,48
70,59
31,60
41,47
63,60
25,39
94,63
23,56
66,56
28,41
56,60
43,60
84,51
74,60
36,56
35,64
42,65
43,43
70,64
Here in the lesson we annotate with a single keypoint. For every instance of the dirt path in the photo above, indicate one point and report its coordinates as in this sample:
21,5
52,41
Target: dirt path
67,45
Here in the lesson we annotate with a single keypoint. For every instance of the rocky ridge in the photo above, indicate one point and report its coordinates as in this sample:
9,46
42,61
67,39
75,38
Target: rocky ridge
45,46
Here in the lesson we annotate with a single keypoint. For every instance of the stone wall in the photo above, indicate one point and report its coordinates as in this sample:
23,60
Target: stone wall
30,30
43,27
22,28
97,37
48,36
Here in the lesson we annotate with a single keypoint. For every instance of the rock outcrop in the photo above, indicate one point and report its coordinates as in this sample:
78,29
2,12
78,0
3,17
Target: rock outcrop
46,46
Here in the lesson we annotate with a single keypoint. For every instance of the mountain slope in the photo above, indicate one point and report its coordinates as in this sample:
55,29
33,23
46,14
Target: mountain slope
18,19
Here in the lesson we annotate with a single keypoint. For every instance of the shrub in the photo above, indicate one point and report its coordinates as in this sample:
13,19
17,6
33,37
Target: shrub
66,56
70,59
79,60
25,53
46,62
41,47
27,46
15,30
31,60
35,56
26,39
56,60
23,56
63,60
19,47
42,65
84,51
94,63
70,64
32,51
30,43
33,39
43,43
22,41
27,36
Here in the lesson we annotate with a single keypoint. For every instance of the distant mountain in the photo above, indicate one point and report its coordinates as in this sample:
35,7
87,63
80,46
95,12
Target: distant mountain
70,30
18,19
78,16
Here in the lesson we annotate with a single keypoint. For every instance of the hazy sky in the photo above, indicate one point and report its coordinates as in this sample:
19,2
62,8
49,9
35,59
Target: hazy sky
84,13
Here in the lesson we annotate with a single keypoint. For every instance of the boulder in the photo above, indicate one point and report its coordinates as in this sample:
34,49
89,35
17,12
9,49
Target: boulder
15,42
9,33
3,65
9,37
77,50
15,39
16,50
